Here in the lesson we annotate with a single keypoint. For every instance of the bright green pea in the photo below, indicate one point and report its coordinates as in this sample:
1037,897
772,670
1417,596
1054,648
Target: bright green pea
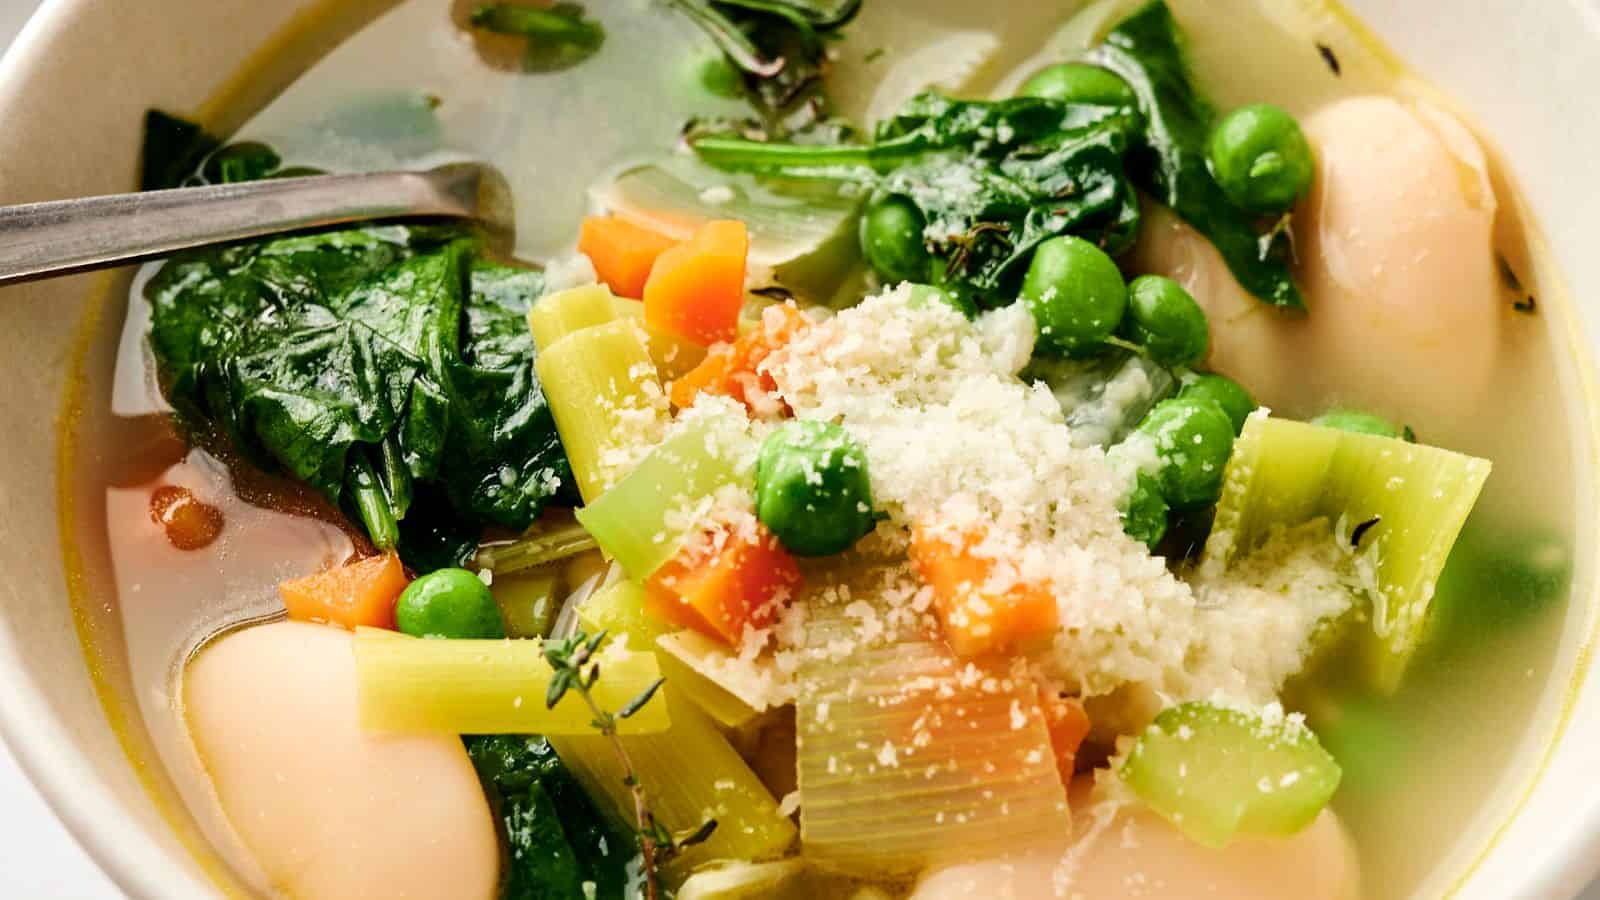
1076,295
1225,393
892,241
1080,83
1193,440
812,489
1166,321
924,294
449,603
1145,518
1260,158
1357,422
719,77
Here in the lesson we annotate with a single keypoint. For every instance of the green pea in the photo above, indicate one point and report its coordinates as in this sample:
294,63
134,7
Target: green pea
892,241
1076,295
1358,422
812,489
719,77
1080,83
1166,321
449,603
1225,393
1260,158
1145,518
1193,440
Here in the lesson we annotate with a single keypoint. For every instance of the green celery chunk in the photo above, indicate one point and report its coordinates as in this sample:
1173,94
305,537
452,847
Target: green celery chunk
630,521
1401,504
1215,773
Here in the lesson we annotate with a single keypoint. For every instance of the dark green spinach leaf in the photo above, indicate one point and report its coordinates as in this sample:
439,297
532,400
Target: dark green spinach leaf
556,838
992,180
376,364
1169,162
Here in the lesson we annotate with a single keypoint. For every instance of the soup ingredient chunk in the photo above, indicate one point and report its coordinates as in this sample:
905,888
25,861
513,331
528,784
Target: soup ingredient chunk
329,811
1408,501
1192,440
1358,422
1167,322
1226,393
812,489
190,523
622,252
1076,82
729,580
1260,157
981,604
1076,295
449,603
892,239
361,593
696,289
1215,772
558,37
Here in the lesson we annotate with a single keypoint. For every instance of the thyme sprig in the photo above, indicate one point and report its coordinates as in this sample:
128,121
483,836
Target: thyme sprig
576,669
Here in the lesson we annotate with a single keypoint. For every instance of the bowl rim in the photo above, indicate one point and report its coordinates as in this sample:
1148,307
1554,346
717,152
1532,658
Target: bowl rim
139,867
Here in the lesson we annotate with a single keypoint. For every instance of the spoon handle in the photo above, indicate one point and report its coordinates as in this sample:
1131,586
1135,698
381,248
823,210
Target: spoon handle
57,237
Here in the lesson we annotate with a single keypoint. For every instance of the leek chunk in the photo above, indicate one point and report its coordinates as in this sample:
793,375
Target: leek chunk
1403,505
541,546
434,686
605,395
690,772
910,758
1215,772
528,603
567,312
630,520
619,610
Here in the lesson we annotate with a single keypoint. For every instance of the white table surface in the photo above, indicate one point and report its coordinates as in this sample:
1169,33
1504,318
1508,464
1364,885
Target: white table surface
38,858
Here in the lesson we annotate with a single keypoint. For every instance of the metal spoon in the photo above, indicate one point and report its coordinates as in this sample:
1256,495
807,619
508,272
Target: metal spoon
57,237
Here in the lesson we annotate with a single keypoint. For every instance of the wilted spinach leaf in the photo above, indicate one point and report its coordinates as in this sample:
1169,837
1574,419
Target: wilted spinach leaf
1170,162
556,838
992,179
559,37
376,364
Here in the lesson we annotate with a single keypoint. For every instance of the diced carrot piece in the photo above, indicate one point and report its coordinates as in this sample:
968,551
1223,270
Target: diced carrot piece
733,370
696,289
359,593
978,620
622,252
718,591
1068,724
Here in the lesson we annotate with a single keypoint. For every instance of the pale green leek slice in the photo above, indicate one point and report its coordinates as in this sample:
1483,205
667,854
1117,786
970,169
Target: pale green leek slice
1398,505
435,686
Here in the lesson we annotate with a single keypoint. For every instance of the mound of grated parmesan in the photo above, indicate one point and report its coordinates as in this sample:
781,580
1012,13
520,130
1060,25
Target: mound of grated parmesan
955,440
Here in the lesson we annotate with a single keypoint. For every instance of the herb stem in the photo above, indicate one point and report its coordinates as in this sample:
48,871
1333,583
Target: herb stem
644,821
738,154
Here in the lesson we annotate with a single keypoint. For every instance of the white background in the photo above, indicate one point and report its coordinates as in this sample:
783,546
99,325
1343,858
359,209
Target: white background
38,858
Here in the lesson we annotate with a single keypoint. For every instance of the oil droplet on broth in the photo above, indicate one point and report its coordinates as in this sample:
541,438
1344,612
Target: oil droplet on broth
190,523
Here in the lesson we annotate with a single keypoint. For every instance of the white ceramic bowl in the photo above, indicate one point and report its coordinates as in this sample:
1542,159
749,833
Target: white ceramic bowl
73,91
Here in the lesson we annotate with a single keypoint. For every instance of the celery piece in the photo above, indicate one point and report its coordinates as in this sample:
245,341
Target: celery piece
674,356
541,546
437,686
689,772
1401,504
909,757
605,395
528,602
563,313
1215,772
631,520
619,610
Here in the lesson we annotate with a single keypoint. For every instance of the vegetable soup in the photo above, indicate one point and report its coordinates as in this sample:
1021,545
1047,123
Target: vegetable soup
1107,450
